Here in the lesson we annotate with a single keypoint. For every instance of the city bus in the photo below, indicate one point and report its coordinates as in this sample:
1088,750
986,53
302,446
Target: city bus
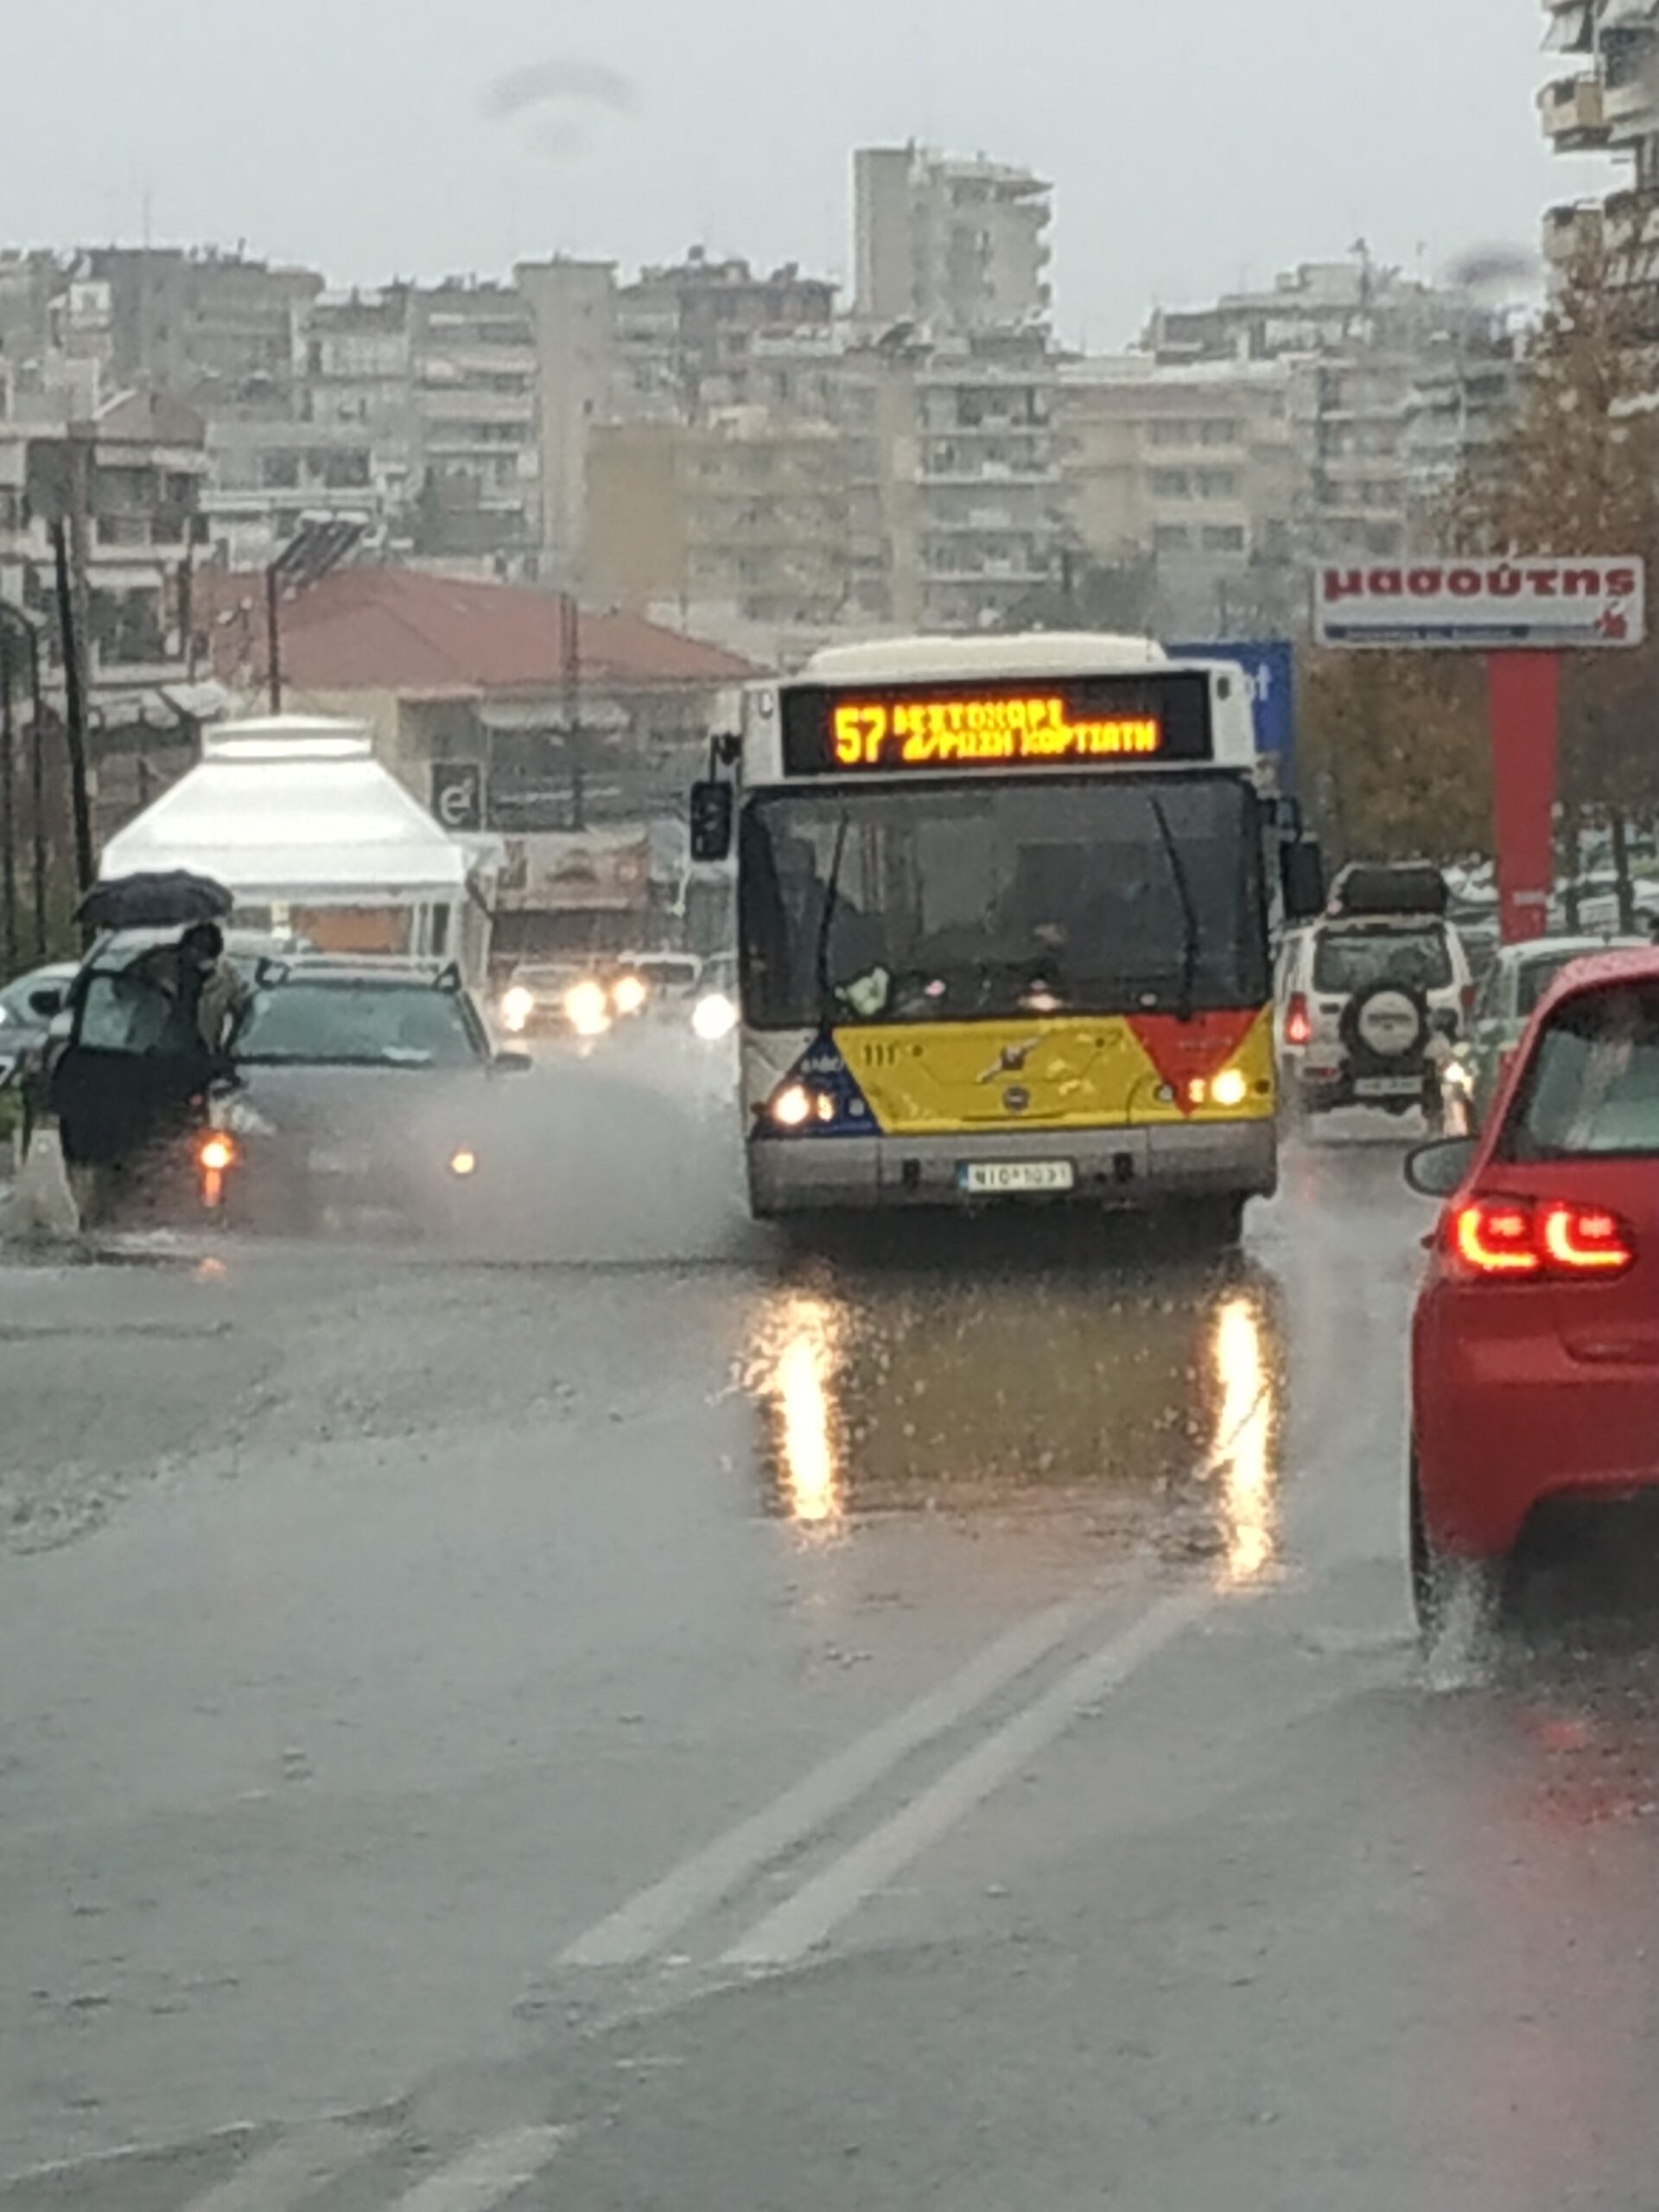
1004,910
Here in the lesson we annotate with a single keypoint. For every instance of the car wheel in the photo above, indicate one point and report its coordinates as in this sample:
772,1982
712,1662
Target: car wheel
1444,1588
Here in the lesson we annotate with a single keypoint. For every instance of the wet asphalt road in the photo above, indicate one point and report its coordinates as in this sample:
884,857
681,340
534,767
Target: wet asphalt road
622,1716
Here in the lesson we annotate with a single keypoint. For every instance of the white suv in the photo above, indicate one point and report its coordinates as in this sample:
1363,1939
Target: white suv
1368,1000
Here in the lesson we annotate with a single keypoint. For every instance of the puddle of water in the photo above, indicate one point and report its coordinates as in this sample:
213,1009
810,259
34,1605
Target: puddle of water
1147,1410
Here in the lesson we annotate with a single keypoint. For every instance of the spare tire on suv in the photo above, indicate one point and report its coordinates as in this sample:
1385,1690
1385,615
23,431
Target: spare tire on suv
1385,1031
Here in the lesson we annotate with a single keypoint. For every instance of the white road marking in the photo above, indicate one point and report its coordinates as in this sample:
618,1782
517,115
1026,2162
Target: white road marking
806,1919
486,2175
299,2166
649,1919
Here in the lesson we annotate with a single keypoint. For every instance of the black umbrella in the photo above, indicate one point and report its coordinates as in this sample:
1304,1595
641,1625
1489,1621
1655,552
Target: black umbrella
154,902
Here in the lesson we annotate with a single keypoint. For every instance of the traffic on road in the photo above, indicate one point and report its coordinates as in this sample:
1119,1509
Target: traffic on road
515,1656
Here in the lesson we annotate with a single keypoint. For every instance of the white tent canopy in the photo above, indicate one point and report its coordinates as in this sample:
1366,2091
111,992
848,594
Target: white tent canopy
295,810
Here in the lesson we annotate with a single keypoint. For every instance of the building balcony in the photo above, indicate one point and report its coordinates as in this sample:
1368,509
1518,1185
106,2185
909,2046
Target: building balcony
1573,112
991,574
1571,232
169,533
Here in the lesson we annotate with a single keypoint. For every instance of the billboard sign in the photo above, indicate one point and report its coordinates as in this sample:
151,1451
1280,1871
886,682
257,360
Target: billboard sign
1441,604
1270,668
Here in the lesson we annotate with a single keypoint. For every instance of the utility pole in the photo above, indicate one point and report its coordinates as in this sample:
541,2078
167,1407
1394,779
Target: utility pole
574,737
274,636
74,704
25,626
37,789
8,806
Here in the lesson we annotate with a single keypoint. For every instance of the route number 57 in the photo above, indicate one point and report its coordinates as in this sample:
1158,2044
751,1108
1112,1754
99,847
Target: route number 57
860,732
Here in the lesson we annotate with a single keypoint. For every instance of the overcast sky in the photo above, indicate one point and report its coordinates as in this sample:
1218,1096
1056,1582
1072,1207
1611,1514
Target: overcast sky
1195,144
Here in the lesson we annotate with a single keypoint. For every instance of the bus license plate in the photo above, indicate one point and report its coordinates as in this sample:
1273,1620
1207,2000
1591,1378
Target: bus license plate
1012,1178
1387,1086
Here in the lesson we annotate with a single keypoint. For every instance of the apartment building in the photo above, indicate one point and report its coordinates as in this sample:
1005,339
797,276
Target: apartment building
1607,100
476,425
125,474
1185,471
685,334
955,247
572,308
219,331
1608,103
1383,369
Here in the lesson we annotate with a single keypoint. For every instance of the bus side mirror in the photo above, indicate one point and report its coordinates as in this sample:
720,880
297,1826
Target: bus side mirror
1303,865
711,821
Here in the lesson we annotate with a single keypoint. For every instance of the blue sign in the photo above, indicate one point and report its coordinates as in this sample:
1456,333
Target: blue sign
1270,671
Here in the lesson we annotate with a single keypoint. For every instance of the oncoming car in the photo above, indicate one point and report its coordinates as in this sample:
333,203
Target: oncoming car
1536,1343
363,1086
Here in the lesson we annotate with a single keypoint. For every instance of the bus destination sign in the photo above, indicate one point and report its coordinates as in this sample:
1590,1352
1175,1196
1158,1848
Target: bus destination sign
1015,727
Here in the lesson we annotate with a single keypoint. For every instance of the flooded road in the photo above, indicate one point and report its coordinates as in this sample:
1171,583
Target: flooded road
625,1712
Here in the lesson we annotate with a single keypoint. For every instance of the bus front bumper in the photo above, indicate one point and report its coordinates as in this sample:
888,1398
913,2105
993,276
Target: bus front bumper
1123,1168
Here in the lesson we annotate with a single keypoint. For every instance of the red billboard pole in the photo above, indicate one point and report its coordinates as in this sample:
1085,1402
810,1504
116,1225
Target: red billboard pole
1524,703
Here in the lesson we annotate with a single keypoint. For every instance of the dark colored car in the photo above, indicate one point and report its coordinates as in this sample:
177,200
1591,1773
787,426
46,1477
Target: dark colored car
363,1087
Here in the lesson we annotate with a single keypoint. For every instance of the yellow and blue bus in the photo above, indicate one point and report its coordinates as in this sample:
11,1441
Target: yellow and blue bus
1004,914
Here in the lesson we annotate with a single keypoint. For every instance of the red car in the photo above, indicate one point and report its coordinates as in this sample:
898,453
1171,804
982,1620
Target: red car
1536,1344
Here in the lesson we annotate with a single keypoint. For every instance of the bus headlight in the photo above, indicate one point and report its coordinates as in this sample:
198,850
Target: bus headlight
793,1108
1231,1089
628,995
714,1018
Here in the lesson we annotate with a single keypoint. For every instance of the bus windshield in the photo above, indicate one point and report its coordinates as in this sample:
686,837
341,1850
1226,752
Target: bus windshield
1087,896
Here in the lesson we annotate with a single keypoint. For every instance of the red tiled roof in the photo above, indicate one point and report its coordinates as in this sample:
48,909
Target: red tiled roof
402,630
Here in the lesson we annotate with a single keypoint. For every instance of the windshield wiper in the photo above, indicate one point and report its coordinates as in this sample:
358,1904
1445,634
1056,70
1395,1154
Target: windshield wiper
1189,910
827,919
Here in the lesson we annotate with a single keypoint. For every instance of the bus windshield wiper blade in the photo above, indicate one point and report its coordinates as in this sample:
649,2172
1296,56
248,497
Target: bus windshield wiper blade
1189,910
827,919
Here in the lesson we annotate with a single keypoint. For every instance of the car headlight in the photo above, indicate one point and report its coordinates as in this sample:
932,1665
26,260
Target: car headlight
714,1017
588,1008
463,1162
629,994
518,1004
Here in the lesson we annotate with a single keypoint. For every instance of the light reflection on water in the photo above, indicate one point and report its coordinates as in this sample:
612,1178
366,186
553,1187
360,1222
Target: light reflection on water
1246,1438
1146,1409
794,1372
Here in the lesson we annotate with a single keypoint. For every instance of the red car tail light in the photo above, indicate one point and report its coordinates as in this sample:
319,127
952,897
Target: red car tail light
1299,1029
1586,1240
1496,1237
1520,1239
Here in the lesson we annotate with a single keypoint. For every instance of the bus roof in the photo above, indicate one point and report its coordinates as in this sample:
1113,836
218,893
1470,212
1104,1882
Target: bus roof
940,660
